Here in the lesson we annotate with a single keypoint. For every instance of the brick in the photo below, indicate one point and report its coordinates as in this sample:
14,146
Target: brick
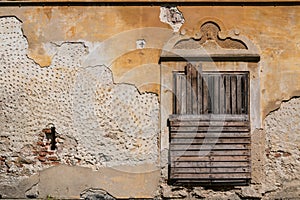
286,154
40,143
55,163
277,155
42,159
43,153
52,158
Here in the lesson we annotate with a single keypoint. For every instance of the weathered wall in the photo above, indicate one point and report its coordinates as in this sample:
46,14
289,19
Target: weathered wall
100,123
83,69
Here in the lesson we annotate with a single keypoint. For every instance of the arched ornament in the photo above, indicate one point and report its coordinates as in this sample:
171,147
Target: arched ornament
211,44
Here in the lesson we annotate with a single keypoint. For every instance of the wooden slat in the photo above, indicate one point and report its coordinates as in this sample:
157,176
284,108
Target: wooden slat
210,93
246,93
184,170
209,117
205,95
222,95
177,92
211,158
189,106
214,182
200,91
210,135
216,94
212,176
233,95
208,129
210,153
194,91
208,123
227,95
210,164
239,94
225,147
217,140
183,94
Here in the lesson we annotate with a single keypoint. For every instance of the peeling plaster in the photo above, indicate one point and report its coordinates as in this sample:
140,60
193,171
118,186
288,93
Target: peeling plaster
172,16
112,124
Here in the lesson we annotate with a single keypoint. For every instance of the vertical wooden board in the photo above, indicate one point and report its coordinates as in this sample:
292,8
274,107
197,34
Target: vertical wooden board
227,95
233,94
239,97
194,91
246,91
189,88
199,91
216,94
183,94
177,92
222,94
205,94
210,93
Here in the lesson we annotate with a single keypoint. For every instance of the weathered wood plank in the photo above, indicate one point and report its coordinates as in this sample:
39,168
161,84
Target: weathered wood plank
246,93
199,170
210,93
211,164
233,95
178,93
209,117
213,182
179,147
208,129
222,94
227,95
200,91
210,153
189,106
212,176
205,99
194,91
211,141
187,135
183,94
216,94
210,158
239,94
209,123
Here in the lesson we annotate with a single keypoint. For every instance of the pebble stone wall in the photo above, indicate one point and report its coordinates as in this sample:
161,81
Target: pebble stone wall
98,123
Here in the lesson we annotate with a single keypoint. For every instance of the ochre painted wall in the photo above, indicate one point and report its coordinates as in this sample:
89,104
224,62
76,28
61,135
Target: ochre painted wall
67,40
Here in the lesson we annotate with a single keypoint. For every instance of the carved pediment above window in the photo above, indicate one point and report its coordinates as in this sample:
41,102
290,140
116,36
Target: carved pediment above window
211,43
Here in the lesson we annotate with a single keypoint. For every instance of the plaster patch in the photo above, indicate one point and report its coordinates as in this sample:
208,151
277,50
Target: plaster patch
172,16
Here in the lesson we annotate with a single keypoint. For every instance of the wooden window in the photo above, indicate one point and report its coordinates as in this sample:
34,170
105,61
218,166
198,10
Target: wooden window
210,128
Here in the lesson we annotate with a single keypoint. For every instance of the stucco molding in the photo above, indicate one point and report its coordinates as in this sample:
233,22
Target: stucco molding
211,44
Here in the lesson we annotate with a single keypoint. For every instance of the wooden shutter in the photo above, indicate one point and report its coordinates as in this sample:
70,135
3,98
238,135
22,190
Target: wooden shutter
210,92
210,128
